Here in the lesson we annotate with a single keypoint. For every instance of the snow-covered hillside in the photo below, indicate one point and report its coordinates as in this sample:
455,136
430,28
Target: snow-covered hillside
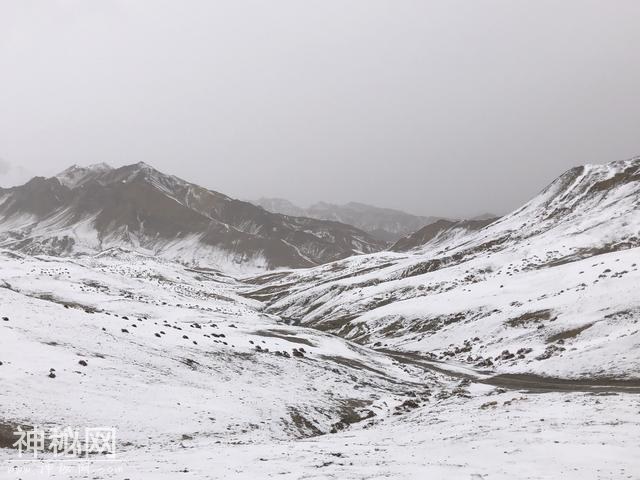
506,352
198,382
550,289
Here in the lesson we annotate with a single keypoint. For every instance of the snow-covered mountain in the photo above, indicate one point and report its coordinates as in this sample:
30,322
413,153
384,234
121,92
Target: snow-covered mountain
385,224
91,209
440,231
505,350
550,289
281,205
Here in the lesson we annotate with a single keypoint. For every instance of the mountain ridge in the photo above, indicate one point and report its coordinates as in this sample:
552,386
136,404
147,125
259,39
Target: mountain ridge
386,224
88,209
513,295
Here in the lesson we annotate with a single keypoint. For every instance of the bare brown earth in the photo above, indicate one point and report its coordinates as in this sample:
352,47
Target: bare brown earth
529,382
284,335
537,383
7,438
7,434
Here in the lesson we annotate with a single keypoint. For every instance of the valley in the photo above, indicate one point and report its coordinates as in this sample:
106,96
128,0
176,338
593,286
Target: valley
468,356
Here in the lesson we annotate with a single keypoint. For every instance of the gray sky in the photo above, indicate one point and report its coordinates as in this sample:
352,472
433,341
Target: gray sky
436,107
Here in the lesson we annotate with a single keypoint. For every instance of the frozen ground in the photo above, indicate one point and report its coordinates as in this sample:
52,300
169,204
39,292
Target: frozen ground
546,436
215,410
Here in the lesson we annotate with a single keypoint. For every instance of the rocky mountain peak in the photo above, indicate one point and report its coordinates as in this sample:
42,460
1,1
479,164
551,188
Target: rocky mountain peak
76,175
90,209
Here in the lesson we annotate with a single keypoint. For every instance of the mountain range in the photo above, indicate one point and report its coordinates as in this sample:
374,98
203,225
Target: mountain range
86,210
549,289
498,346
385,224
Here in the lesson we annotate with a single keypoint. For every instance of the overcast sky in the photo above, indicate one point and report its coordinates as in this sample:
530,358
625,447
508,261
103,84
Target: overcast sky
435,107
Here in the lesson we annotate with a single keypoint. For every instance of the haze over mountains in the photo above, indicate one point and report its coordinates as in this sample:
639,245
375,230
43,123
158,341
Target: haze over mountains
388,225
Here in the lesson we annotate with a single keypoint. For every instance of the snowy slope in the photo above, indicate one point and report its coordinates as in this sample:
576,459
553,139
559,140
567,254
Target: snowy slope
506,352
225,402
556,280
227,375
